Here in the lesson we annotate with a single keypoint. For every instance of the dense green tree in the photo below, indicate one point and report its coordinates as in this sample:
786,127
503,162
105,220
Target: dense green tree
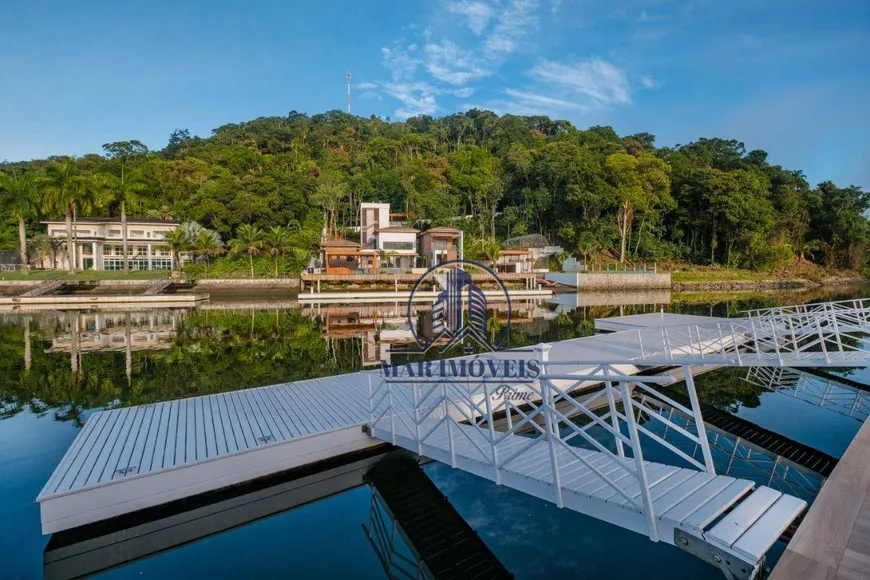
276,242
705,201
178,242
206,245
249,240
19,197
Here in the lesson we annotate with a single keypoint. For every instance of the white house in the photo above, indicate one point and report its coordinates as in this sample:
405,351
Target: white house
399,243
98,244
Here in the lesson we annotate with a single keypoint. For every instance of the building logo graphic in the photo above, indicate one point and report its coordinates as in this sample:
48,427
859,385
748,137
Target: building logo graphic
461,313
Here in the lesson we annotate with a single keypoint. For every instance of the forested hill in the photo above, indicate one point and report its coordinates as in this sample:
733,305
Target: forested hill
589,190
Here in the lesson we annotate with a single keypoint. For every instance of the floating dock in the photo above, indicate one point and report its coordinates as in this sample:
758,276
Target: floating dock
128,459
74,302
404,296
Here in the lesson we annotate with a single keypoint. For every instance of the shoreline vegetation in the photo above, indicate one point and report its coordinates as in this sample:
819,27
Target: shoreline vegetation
269,190
683,279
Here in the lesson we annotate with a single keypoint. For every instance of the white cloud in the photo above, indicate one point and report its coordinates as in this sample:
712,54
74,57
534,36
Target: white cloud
416,98
368,95
648,82
463,93
366,86
500,28
514,21
536,101
647,17
450,64
400,61
594,79
477,14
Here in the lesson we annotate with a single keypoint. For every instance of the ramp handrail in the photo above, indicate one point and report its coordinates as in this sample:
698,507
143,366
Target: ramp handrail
425,413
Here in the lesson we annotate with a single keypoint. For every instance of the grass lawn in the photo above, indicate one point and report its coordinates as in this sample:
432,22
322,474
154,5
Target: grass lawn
720,275
38,275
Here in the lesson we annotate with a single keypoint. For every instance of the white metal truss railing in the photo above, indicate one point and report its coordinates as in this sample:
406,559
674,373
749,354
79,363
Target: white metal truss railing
826,393
857,308
392,547
455,410
828,336
736,457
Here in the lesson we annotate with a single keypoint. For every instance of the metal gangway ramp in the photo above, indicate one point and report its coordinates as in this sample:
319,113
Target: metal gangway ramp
728,522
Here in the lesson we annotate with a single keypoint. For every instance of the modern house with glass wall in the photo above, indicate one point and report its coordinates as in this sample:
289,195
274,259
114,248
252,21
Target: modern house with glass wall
98,244
388,245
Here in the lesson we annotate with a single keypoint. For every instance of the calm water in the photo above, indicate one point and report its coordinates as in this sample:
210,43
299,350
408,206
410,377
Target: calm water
58,367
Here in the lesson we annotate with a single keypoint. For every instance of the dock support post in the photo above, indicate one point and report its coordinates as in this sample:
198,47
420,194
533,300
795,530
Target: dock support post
639,467
491,429
416,393
550,421
449,424
614,418
371,406
699,421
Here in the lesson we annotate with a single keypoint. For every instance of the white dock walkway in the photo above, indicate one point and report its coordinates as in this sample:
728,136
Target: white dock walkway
683,499
653,320
128,459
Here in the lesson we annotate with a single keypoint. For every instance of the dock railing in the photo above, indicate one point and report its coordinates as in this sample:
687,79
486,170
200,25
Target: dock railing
456,411
826,335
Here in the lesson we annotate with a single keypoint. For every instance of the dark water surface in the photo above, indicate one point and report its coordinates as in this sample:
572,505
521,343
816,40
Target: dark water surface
57,367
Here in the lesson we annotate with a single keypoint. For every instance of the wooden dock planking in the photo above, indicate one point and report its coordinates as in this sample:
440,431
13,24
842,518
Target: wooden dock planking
833,541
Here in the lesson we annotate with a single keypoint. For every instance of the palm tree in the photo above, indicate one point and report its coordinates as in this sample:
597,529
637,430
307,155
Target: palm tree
178,242
206,244
20,199
277,242
300,257
124,191
491,250
61,187
49,246
250,240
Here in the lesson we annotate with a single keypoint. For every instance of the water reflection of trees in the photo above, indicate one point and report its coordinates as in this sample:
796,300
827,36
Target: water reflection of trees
212,351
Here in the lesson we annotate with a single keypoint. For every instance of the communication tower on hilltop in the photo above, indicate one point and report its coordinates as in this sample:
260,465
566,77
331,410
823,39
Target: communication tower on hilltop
347,76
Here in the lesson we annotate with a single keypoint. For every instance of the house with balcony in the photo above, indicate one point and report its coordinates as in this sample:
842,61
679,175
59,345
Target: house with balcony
347,257
438,245
387,245
515,262
98,244
387,234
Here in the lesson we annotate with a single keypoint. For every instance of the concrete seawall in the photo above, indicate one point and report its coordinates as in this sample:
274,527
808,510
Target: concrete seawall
258,283
611,280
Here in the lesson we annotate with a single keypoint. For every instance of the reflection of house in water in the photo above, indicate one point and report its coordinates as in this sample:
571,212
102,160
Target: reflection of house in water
102,332
378,327
383,328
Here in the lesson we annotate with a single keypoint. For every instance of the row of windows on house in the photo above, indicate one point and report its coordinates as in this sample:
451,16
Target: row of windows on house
438,245
112,234
137,264
131,251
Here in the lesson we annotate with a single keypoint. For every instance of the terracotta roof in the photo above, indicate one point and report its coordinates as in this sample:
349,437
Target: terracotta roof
339,243
441,230
399,229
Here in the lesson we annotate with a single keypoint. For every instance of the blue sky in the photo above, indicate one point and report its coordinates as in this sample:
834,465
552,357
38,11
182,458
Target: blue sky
790,77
